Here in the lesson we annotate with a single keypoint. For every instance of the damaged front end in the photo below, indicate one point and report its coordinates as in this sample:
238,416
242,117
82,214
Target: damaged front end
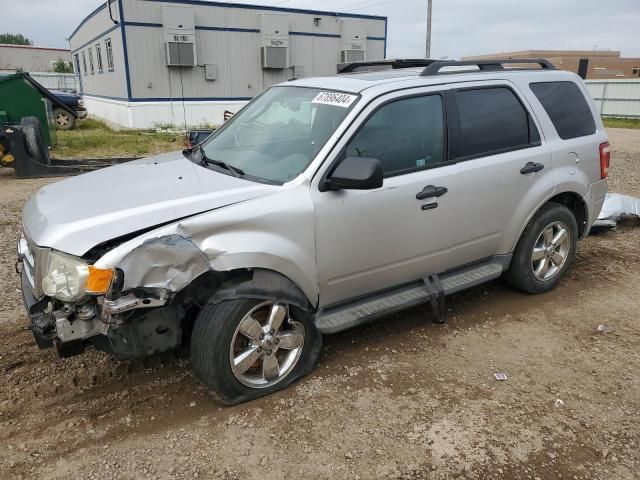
72,304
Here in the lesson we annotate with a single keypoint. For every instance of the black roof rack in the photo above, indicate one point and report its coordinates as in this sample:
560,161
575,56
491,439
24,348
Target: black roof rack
393,63
484,65
433,67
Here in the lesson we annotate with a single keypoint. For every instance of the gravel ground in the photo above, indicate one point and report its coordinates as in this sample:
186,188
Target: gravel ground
399,399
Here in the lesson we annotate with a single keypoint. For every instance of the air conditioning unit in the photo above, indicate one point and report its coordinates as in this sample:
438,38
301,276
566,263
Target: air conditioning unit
275,57
349,56
180,54
179,27
274,40
354,41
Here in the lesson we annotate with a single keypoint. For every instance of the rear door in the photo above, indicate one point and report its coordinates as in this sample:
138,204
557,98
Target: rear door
504,168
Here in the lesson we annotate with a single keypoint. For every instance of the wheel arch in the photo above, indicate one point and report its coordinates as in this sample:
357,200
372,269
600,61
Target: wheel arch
261,284
573,201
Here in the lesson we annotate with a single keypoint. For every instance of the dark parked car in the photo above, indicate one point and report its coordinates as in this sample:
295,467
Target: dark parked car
65,120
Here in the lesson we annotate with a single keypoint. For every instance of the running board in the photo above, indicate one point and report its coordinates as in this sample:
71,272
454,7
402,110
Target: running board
345,316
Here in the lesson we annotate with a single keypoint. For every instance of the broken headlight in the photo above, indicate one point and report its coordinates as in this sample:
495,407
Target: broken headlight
69,279
65,277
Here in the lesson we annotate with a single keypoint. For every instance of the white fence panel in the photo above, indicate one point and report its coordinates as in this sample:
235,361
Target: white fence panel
56,81
616,98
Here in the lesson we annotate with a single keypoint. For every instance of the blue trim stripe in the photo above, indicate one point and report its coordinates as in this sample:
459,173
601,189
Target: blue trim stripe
124,49
313,34
228,29
386,35
176,99
246,30
96,38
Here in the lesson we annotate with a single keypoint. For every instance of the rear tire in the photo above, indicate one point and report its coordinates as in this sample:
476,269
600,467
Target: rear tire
226,333
34,142
545,251
63,119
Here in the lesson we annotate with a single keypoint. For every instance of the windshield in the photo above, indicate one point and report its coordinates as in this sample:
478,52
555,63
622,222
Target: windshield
278,134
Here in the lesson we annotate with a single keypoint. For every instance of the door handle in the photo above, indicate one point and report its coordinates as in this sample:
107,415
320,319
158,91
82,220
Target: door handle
431,191
531,167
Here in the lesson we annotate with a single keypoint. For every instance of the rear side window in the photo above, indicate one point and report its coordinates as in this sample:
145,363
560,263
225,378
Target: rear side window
566,106
490,121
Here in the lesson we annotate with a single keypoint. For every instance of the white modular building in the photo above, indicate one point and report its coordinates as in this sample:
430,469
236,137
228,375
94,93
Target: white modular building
144,63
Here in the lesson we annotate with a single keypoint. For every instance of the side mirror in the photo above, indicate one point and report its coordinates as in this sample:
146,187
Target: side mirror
356,173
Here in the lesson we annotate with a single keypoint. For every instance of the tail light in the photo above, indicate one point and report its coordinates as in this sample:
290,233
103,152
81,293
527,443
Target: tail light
605,159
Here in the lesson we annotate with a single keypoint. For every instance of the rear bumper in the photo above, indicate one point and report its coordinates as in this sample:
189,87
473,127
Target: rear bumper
595,199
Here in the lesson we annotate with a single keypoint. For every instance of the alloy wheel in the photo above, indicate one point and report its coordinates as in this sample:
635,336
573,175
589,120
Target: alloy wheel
550,251
266,346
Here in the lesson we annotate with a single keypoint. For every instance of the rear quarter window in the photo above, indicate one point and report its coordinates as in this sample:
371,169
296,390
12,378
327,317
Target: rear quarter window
565,104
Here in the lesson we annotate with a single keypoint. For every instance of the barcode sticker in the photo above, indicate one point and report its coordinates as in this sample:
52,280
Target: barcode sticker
335,98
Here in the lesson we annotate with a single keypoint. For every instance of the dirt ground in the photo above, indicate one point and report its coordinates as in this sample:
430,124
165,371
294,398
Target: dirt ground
399,399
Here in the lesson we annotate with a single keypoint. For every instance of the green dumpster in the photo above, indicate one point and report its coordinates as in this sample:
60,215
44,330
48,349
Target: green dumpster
21,96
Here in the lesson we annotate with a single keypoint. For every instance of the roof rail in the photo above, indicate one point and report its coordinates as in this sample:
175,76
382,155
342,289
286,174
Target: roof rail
398,63
484,65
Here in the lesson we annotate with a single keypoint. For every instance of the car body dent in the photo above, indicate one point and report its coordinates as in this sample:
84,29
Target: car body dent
131,197
235,237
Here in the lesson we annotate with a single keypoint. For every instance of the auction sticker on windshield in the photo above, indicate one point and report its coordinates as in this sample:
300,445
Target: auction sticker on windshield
335,98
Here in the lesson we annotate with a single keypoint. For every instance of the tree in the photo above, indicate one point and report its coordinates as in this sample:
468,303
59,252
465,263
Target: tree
60,66
14,39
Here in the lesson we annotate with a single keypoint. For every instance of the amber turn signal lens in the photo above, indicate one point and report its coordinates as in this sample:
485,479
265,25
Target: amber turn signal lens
99,280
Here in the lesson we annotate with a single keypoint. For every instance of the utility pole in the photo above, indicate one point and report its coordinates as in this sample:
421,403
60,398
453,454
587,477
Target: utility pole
429,28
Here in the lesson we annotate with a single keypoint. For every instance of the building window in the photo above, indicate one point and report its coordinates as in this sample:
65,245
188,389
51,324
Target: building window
84,63
76,63
91,67
636,71
99,58
107,45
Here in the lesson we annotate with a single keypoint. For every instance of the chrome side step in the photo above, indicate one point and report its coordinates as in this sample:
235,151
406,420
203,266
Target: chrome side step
343,317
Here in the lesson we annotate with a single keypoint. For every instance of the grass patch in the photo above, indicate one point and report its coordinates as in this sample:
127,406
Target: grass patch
617,122
93,139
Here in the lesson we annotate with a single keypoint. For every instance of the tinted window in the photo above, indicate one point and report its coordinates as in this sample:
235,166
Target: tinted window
492,120
566,106
405,136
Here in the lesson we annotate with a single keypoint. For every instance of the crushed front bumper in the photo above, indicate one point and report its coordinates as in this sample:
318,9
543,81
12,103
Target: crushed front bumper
39,320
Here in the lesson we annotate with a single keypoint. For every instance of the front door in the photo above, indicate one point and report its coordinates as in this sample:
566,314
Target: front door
371,240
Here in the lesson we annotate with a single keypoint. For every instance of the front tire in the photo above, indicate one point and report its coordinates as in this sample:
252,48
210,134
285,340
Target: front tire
243,349
64,120
545,251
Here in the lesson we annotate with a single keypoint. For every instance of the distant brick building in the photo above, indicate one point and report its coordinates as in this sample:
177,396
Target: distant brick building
592,65
29,58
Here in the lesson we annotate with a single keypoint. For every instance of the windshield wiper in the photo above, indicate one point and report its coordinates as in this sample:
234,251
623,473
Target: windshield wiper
204,160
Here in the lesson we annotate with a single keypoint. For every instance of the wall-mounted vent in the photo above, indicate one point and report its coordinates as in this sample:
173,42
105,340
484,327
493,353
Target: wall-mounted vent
274,40
179,27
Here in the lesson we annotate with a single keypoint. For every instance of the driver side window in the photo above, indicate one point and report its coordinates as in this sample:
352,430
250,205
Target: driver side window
406,135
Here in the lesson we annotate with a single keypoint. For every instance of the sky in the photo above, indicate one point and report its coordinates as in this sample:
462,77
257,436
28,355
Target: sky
460,27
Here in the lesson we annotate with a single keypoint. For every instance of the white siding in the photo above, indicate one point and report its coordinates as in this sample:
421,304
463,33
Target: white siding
617,98
110,84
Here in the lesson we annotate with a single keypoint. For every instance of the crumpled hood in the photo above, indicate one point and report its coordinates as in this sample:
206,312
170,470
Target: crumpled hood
81,212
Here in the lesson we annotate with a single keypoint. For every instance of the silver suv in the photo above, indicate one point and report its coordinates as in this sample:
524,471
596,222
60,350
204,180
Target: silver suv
323,204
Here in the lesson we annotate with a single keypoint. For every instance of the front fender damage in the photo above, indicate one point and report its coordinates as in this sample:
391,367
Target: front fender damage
169,263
